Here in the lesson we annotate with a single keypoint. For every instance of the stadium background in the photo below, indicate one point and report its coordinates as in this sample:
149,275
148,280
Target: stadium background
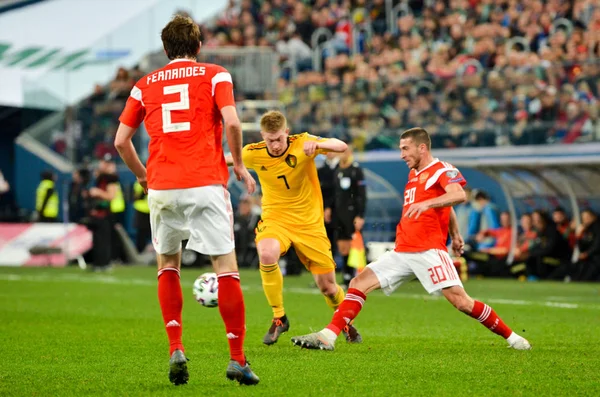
509,90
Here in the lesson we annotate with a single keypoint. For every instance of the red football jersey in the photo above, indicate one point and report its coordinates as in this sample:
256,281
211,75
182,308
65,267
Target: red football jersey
180,106
430,230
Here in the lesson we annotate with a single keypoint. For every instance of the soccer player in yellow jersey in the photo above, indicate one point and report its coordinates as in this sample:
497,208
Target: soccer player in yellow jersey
292,214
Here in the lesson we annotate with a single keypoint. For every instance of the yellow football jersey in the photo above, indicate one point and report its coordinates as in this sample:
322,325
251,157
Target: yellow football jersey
289,182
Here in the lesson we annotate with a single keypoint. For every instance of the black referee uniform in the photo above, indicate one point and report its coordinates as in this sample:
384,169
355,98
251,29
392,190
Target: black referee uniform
350,202
327,181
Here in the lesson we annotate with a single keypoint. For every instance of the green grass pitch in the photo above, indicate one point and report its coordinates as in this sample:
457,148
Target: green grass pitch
66,332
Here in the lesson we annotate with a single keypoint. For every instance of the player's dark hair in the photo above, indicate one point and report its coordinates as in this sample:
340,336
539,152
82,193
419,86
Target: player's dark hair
181,38
419,135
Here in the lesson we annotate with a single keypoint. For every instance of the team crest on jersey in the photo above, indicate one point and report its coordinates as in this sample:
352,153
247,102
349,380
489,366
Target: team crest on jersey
423,177
451,174
291,160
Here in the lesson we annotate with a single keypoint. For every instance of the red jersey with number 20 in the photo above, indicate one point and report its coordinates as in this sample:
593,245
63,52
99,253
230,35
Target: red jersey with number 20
180,105
430,230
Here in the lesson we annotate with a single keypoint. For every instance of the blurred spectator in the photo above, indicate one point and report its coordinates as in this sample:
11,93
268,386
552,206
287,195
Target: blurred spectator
327,180
141,217
46,198
491,261
245,222
102,193
563,224
502,237
587,267
295,50
117,209
484,216
526,238
78,195
4,186
549,255
8,208
121,85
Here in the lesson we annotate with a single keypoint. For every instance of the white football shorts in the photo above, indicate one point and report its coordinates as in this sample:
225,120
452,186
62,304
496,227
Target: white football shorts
201,215
433,268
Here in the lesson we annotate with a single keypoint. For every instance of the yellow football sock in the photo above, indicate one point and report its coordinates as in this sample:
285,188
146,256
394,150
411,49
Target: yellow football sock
336,300
272,282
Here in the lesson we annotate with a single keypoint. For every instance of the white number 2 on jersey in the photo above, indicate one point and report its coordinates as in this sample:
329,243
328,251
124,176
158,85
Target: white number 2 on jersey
409,196
183,104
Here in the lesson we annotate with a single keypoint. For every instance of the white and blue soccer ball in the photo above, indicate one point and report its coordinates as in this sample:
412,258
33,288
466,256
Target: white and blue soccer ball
206,289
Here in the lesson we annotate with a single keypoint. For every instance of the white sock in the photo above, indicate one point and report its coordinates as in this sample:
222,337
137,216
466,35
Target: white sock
329,335
513,338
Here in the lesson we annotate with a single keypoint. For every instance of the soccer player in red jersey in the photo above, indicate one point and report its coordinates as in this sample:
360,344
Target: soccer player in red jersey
433,188
182,105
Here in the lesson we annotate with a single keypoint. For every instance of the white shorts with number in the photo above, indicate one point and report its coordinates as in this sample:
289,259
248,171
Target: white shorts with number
433,268
201,215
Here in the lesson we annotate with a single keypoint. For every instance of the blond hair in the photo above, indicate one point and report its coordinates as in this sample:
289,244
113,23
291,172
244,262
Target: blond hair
273,121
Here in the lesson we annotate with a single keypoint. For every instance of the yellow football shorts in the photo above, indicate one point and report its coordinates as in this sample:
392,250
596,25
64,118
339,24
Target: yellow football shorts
310,242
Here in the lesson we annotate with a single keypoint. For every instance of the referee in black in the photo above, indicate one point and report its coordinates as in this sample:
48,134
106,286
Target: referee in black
327,179
350,206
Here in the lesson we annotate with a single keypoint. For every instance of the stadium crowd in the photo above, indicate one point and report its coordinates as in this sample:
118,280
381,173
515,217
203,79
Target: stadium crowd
548,246
472,72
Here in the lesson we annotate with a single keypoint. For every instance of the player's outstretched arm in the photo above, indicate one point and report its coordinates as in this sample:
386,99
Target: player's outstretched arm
454,195
315,144
332,145
128,153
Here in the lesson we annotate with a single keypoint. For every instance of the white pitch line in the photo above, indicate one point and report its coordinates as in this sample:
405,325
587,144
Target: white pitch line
579,298
97,279
108,279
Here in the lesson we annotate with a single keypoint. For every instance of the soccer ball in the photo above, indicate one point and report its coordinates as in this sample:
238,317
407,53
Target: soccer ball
206,288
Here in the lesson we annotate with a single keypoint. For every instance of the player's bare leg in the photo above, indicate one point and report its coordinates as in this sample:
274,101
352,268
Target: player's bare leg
269,250
459,298
171,305
355,298
334,296
233,313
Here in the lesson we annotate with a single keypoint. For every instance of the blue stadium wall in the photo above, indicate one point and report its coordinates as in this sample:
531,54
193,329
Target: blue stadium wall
396,173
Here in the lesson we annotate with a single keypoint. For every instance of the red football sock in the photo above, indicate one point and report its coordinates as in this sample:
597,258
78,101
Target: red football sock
233,312
171,304
348,310
488,317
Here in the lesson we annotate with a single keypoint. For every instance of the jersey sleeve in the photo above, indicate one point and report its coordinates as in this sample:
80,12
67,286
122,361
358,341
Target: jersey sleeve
222,88
134,111
451,176
247,157
310,137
